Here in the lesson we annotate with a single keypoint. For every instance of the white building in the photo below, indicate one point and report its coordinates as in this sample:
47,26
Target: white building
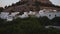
50,15
4,15
13,14
41,13
9,18
25,15
31,13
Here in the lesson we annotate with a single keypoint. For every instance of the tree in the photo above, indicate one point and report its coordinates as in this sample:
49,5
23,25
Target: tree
44,21
13,4
21,3
29,25
56,21
1,9
5,6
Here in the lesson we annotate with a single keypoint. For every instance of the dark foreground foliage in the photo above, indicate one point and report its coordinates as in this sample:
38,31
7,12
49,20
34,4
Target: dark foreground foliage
31,25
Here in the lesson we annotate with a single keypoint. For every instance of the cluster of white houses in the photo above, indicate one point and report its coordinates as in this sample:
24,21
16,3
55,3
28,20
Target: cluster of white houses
13,15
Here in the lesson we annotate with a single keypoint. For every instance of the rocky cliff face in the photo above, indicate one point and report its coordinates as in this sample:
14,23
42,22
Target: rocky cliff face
34,5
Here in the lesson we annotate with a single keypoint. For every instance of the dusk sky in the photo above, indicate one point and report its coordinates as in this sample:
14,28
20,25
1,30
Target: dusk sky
9,2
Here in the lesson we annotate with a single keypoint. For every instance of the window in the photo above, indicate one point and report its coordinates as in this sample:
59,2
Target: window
55,15
49,15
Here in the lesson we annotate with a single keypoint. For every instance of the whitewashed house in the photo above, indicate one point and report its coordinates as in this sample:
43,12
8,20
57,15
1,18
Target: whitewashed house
4,15
12,16
31,13
41,13
25,15
57,14
37,15
9,18
49,14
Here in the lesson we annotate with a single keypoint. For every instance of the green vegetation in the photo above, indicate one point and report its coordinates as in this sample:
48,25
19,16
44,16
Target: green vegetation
31,25
56,19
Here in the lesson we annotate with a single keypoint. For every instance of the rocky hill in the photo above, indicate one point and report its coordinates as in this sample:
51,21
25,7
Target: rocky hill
34,5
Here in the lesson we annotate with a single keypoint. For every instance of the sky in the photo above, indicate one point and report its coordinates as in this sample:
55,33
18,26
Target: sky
56,2
9,2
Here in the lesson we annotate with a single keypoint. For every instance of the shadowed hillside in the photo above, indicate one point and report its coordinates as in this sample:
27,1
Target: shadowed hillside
31,25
